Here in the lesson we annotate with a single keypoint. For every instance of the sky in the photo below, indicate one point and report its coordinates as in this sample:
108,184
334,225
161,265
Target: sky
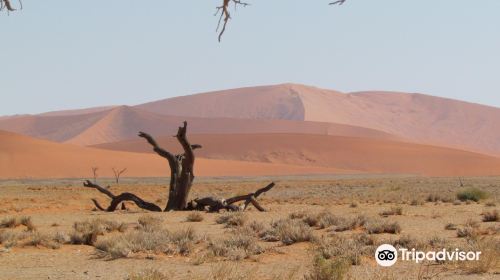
75,54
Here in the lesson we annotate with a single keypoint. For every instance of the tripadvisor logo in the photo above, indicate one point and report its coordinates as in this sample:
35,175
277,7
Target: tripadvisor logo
387,255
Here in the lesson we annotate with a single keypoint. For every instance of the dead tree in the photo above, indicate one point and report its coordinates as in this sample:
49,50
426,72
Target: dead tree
181,180
225,15
117,174
94,173
7,5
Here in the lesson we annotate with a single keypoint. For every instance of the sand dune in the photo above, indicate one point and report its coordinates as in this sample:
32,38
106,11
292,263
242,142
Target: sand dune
121,123
25,157
351,153
421,118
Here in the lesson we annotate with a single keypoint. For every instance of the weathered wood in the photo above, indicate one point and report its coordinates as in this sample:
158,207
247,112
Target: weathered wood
117,199
181,180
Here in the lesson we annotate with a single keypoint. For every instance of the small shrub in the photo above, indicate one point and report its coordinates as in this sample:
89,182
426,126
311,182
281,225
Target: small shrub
289,232
491,216
471,194
86,232
114,248
392,211
380,226
235,247
322,220
195,216
341,247
353,204
232,219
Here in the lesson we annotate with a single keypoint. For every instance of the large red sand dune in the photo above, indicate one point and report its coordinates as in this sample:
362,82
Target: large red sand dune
25,157
418,117
351,153
122,123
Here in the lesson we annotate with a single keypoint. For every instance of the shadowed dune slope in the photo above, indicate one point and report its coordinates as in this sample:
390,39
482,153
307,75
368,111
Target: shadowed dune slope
121,123
25,157
351,153
418,117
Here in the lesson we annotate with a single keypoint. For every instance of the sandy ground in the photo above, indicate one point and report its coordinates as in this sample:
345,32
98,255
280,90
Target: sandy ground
55,205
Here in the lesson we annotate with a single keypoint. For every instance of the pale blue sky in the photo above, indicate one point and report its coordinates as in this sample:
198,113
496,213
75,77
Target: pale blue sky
59,54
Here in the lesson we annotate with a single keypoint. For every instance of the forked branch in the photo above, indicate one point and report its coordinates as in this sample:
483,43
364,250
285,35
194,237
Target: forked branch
225,15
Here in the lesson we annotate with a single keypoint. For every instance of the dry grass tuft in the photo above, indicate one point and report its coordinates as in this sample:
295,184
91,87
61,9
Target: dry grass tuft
144,240
86,232
350,249
392,212
379,226
13,222
232,219
195,216
288,231
491,216
235,247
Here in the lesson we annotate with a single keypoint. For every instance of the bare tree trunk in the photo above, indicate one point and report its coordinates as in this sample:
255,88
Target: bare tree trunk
181,180
181,169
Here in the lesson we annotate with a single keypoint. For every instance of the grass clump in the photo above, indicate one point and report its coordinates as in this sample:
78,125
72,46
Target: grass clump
491,216
350,249
472,194
394,211
195,216
288,231
235,247
380,226
232,219
13,222
322,219
86,232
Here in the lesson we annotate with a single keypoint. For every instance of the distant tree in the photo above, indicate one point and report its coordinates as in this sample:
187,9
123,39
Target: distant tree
94,173
118,173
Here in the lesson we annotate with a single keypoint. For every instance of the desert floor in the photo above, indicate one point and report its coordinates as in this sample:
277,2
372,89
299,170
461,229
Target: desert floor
316,227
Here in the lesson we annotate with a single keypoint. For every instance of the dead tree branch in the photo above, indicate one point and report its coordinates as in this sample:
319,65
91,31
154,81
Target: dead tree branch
225,15
6,4
117,199
212,204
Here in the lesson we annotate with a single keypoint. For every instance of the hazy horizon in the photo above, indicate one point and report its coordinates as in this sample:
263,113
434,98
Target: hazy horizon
148,101
62,55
